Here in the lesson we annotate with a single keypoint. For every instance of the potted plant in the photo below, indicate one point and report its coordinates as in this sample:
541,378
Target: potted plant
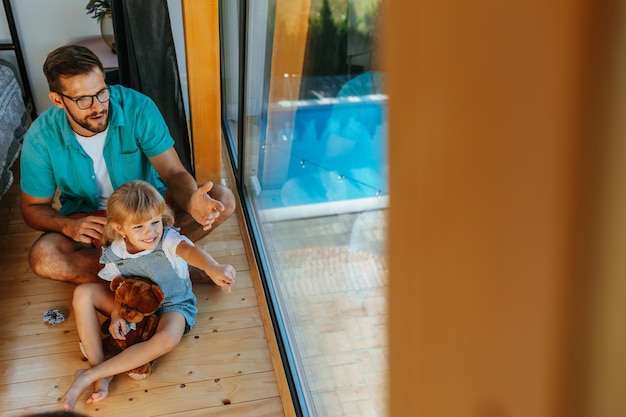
99,8
101,11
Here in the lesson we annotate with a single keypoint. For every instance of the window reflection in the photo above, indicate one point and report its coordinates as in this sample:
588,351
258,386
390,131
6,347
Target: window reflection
229,41
315,181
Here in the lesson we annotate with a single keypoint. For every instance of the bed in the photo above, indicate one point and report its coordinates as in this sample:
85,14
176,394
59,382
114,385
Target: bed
14,121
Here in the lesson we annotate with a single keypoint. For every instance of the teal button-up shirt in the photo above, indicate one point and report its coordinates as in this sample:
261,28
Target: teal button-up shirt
52,157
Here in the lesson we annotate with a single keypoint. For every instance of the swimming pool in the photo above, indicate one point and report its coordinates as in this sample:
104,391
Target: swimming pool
329,156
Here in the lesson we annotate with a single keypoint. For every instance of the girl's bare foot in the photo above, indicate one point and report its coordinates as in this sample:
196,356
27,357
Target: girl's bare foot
100,390
75,390
80,384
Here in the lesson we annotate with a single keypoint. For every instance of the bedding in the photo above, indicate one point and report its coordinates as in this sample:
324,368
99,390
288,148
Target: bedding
13,123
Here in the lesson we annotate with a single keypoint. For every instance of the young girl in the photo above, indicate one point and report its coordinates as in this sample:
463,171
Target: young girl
137,233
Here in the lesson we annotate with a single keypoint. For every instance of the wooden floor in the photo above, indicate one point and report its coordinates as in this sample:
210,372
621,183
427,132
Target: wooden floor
223,367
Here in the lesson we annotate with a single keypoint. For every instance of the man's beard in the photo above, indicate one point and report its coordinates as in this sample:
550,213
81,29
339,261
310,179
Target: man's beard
86,123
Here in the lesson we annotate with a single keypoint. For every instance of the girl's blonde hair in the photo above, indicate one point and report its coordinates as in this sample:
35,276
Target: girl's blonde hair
134,202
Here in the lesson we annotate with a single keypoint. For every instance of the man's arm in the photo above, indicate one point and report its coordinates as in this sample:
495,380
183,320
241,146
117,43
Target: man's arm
184,190
40,215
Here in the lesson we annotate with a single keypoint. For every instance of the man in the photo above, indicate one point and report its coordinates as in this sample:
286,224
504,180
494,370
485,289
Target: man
95,138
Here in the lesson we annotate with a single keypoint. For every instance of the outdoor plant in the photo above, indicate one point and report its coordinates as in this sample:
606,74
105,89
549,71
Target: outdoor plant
98,8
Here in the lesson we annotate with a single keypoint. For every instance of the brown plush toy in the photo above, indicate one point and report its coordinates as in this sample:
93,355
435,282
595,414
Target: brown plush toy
136,300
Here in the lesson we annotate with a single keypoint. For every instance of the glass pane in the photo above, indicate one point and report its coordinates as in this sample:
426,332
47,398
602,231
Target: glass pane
315,180
229,38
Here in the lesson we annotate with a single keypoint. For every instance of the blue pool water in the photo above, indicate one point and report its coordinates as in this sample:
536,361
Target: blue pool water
328,151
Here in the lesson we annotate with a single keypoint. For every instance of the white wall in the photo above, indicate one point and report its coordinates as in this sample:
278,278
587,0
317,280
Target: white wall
46,24
176,19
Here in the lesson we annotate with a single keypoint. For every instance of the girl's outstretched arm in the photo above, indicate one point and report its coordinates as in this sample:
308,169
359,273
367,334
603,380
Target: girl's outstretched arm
221,275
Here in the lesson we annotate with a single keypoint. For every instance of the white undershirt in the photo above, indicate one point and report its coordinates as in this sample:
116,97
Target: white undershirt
94,147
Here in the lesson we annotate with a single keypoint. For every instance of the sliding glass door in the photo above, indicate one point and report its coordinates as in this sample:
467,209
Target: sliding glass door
304,116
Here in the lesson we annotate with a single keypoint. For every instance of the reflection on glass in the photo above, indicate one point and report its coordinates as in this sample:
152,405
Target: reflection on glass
315,171
229,39
327,150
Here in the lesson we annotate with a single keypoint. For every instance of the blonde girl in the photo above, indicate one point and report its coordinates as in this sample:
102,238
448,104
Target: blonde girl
139,240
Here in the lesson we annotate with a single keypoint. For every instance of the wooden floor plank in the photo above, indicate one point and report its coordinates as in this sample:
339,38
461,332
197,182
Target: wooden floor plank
198,395
270,407
136,398
37,344
36,339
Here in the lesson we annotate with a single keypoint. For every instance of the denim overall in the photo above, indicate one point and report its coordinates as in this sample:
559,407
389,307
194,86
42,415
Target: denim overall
155,265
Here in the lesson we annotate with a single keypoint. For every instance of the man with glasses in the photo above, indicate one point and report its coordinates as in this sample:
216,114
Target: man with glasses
93,139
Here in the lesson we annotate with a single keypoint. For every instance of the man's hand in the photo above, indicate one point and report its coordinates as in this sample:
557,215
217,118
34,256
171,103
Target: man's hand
203,208
86,229
185,192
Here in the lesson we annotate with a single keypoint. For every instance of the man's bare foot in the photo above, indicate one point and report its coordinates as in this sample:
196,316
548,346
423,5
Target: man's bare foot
80,384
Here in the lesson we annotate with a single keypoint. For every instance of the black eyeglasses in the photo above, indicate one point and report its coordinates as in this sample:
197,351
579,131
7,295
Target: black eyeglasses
86,102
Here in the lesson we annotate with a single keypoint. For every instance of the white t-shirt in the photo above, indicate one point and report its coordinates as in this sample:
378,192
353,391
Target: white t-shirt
94,147
171,239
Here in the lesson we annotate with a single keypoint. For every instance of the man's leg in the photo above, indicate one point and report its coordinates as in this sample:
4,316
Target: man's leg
190,228
58,257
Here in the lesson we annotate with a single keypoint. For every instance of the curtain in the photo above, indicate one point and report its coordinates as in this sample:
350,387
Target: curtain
147,63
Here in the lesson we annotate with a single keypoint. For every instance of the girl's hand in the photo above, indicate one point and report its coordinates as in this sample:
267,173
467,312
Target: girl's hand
224,276
117,328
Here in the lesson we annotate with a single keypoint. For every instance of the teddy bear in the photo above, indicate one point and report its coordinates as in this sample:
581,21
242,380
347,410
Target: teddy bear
136,300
